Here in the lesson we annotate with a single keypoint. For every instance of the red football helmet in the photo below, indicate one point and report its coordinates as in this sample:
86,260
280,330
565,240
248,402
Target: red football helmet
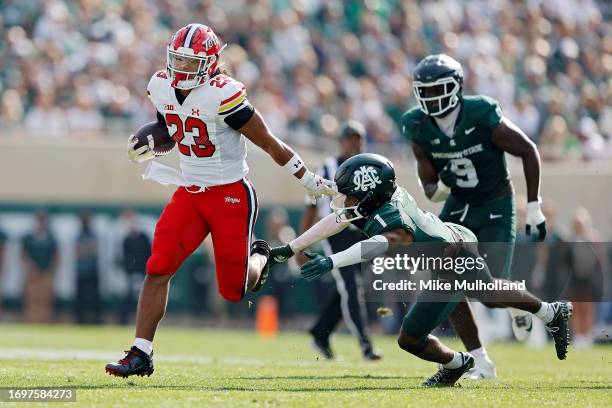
193,56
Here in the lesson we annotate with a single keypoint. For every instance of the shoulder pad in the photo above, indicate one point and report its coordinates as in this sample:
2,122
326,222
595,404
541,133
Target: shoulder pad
483,108
231,93
158,78
391,219
412,123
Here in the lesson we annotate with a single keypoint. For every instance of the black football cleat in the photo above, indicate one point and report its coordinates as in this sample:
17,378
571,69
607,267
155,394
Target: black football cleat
135,362
322,347
559,327
372,355
259,246
447,377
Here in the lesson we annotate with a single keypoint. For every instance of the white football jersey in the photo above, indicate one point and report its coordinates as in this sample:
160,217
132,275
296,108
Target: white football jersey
211,152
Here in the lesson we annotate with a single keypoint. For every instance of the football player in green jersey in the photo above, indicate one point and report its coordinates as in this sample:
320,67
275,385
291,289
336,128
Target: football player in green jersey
370,199
459,144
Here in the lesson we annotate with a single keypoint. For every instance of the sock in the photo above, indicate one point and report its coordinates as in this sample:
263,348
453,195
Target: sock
456,362
480,354
257,261
546,312
144,345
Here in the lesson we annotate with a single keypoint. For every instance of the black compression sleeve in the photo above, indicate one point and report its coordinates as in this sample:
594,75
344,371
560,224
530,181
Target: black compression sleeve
237,119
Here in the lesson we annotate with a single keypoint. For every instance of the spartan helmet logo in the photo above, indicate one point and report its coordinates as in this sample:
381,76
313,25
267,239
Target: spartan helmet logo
366,178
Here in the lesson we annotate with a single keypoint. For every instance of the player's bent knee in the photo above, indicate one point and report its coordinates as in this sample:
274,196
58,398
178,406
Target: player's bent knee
411,344
160,265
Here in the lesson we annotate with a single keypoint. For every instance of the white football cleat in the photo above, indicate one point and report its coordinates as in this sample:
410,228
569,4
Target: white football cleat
522,323
483,370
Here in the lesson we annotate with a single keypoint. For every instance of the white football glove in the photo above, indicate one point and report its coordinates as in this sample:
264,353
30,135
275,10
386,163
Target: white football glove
143,153
316,186
535,219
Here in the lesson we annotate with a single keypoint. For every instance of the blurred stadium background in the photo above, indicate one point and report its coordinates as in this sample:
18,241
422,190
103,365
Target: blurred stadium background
72,88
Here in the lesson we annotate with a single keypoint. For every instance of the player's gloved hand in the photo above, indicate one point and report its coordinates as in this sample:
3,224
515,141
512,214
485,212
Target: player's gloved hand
317,186
142,154
317,266
535,218
447,177
280,254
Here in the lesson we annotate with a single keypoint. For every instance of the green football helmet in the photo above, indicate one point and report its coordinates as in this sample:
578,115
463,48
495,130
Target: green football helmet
437,82
368,181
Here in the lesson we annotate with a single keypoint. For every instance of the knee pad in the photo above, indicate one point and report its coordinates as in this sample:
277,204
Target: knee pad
160,265
414,348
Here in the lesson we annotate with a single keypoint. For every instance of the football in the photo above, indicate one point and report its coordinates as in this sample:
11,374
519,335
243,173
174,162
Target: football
157,134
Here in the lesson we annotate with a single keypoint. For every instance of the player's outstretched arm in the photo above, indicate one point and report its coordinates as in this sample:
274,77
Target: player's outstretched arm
359,252
437,187
324,228
258,132
510,138
362,251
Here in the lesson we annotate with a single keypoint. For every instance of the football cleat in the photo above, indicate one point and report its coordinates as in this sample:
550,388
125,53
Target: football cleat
522,323
559,327
447,377
259,246
372,355
135,362
323,348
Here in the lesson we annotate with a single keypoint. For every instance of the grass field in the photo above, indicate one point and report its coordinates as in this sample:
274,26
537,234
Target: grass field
236,368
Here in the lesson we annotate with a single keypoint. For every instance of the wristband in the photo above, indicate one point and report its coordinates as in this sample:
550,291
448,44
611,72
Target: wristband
441,193
294,164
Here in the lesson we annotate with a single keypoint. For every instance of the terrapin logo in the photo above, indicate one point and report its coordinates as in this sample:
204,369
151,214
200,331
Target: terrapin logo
209,43
366,178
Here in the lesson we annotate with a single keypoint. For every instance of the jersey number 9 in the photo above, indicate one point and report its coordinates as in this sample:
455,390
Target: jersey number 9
465,171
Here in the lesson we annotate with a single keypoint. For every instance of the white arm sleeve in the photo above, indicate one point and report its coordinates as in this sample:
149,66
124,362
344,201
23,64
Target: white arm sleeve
326,227
442,192
361,251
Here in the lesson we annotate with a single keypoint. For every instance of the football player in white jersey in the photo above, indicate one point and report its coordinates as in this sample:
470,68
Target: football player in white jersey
208,115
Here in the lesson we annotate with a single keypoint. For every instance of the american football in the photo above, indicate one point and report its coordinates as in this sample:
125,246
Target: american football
157,134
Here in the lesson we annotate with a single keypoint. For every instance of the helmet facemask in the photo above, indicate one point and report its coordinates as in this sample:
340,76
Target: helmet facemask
345,212
445,93
188,71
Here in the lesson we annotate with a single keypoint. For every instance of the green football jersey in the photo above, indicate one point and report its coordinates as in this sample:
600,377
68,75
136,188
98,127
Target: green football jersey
480,166
402,212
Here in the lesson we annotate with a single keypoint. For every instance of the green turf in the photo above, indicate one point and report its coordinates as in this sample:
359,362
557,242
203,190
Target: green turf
236,368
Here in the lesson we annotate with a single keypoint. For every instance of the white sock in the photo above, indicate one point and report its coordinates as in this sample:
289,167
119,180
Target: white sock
144,345
546,312
456,362
257,261
480,354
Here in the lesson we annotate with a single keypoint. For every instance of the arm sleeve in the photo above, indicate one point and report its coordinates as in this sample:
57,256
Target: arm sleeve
361,251
326,227
237,119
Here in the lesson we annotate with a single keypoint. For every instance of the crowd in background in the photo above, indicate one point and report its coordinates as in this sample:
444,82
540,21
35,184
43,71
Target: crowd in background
82,66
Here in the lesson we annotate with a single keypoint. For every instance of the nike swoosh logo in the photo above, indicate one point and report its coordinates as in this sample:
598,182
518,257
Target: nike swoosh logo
494,216
470,130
